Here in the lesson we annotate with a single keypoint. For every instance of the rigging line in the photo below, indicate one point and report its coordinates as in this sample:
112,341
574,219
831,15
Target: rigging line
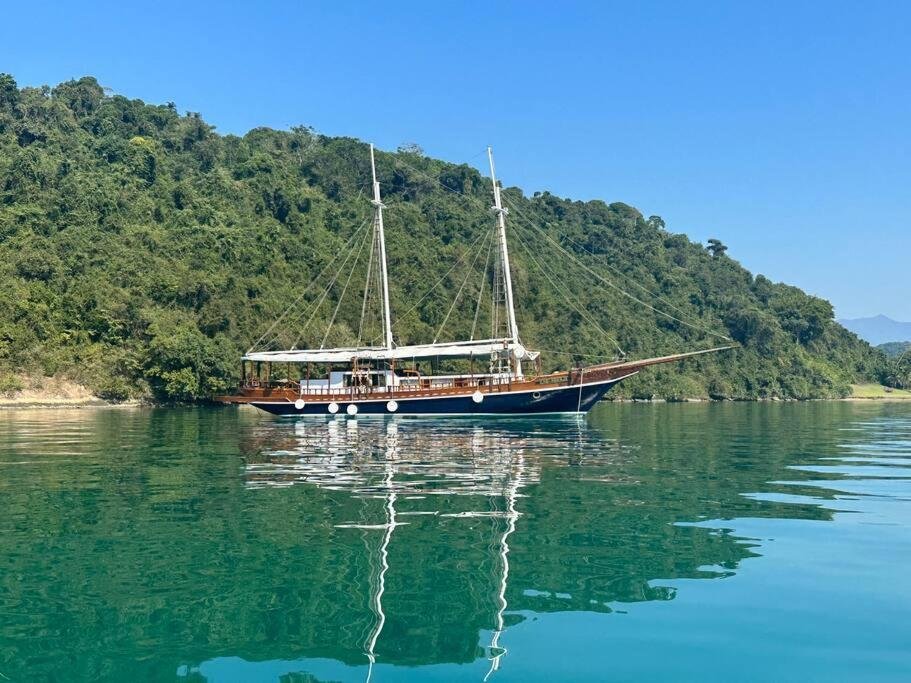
477,200
477,308
438,181
398,160
307,288
480,202
316,306
443,277
553,278
468,274
566,297
656,296
373,249
627,294
520,213
324,295
566,293
472,158
341,297
300,314
622,291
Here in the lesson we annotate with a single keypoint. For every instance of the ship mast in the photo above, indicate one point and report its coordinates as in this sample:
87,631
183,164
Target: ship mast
378,207
504,259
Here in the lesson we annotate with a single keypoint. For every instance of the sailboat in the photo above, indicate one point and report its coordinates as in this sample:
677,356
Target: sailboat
386,378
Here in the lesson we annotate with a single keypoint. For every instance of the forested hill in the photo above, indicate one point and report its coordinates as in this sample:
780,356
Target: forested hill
141,253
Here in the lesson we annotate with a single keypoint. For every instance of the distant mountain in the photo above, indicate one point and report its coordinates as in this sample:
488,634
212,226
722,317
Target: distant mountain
895,349
879,329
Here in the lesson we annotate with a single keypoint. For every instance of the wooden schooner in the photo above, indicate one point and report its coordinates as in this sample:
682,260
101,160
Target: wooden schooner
385,378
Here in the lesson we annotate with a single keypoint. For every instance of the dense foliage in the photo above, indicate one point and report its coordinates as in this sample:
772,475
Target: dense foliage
895,349
141,253
898,374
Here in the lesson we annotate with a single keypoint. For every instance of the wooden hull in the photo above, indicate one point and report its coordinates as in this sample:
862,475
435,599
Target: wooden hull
574,391
572,399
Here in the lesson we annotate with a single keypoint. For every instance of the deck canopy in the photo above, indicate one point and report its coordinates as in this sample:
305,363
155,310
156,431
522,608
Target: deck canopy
463,349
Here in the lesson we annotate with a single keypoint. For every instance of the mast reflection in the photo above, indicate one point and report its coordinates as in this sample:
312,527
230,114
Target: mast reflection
366,460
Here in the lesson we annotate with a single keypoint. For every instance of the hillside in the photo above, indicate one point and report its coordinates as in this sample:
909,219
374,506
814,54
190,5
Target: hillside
141,253
895,349
879,329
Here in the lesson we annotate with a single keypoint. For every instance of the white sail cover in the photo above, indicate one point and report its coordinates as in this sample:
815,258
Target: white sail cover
483,347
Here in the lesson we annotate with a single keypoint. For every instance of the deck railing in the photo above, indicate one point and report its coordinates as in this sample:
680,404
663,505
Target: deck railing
488,383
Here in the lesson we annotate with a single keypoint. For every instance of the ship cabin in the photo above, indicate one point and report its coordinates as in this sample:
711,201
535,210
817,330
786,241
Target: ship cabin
320,374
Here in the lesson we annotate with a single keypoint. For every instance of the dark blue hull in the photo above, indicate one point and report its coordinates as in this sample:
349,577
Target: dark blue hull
560,400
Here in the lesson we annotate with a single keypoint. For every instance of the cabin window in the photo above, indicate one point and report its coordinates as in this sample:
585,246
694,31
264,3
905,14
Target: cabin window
365,379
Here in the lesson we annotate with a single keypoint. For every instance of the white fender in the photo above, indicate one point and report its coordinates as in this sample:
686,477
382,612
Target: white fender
392,406
351,409
477,397
299,404
333,407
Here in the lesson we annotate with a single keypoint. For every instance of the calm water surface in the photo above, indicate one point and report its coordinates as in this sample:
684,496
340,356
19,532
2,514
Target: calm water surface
668,542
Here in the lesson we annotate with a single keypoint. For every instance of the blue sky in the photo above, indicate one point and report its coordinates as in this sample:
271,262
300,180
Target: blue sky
781,128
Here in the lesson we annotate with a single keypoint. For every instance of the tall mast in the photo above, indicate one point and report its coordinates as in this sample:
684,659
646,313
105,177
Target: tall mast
504,258
378,207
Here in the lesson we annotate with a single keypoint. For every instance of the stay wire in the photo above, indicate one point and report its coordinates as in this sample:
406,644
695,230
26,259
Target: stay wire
468,252
581,311
609,283
657,297
477,309
307,288
315,307
324,295
367,283
341,296
469,272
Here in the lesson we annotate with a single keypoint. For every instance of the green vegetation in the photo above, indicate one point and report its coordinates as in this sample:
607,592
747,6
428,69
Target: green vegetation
10,385
878,391
141,253
895,349
898,371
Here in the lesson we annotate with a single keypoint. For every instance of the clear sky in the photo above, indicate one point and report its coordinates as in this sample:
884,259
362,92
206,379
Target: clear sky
781,128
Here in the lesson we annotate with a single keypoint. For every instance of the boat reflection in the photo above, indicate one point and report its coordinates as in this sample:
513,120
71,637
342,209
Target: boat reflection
421,471
357,457
468,529
220,546
366,459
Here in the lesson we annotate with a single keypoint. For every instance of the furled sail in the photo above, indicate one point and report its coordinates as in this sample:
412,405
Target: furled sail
478,348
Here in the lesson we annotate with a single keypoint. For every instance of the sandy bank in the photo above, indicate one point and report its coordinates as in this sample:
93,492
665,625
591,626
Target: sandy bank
52,392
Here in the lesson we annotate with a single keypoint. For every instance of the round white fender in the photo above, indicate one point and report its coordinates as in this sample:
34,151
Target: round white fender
477,397
392,406
333,407
299,404
351,409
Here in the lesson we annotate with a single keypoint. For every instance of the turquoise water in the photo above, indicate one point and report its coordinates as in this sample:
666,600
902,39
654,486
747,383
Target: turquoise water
717,542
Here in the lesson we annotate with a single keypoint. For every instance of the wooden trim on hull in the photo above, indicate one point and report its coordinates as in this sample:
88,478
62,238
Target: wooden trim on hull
543,393
572,399
292,393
